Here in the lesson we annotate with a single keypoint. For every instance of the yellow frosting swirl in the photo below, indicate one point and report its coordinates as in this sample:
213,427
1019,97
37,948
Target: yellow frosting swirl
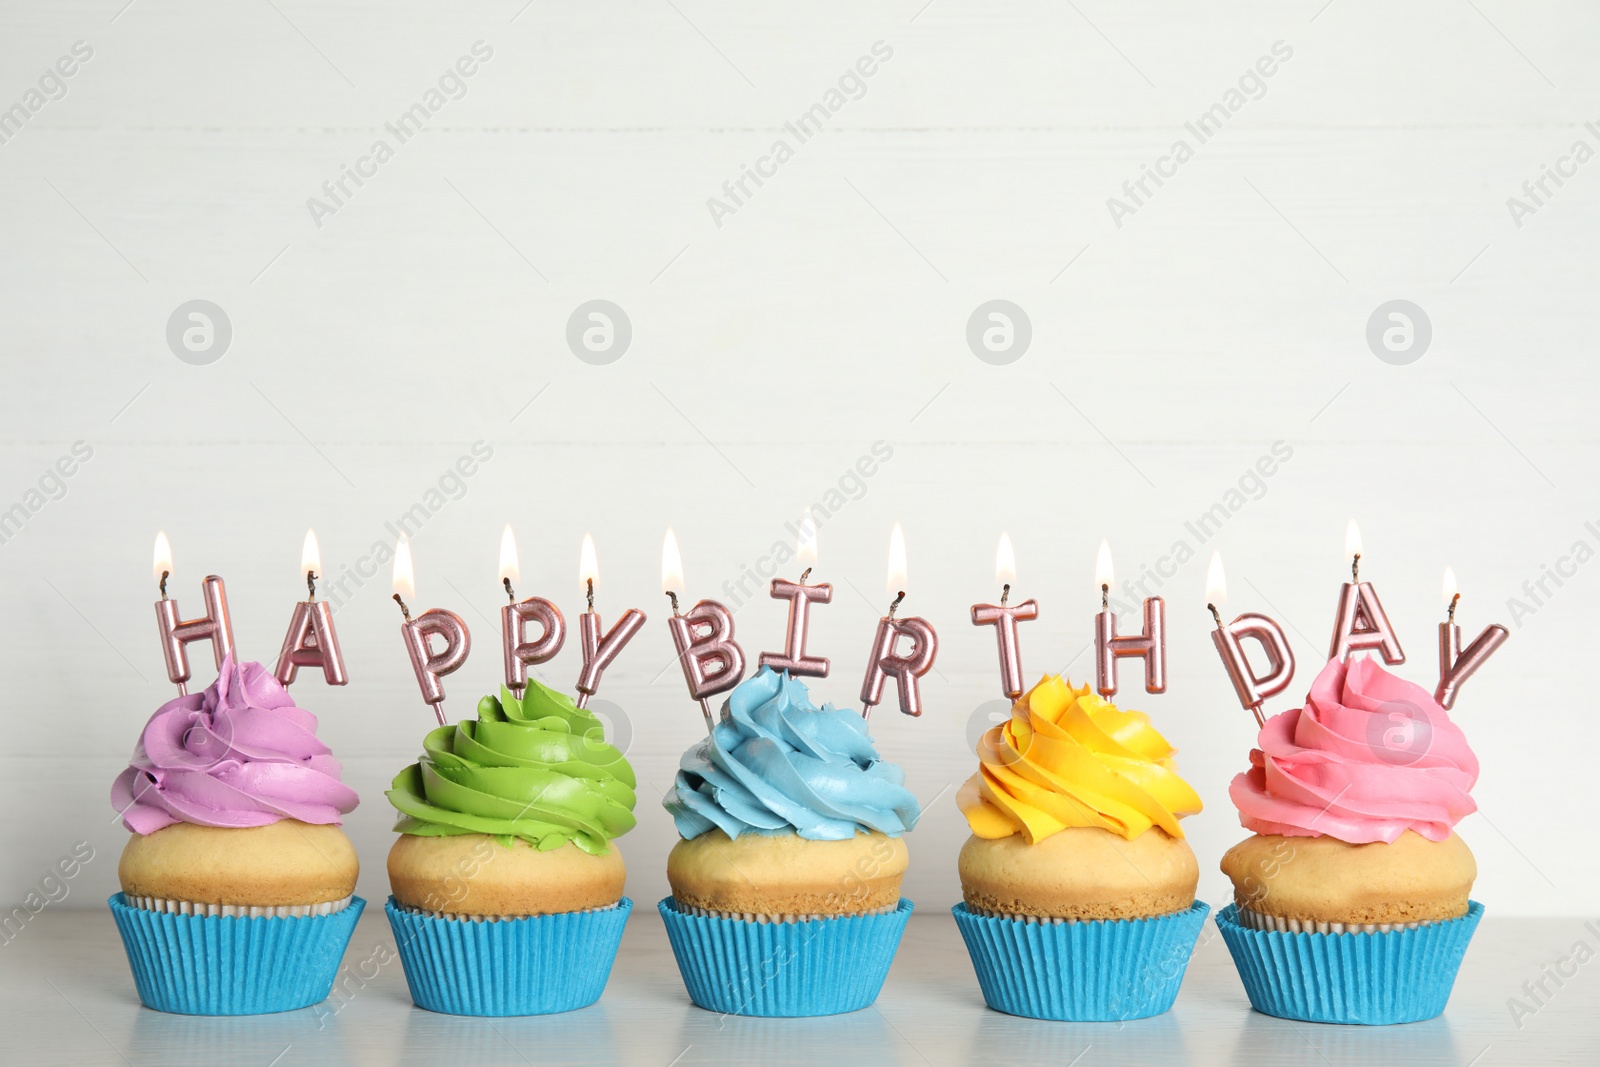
1068,758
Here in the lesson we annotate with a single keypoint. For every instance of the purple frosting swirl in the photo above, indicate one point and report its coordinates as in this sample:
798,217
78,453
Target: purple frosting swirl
238,754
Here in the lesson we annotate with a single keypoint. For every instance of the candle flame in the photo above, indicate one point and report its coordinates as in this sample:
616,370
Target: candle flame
163,555
671,564
1005,561
1352,540
1449,588
1216,583
405,578
805,549
897,559
1103,574
508,556
310,555
588,565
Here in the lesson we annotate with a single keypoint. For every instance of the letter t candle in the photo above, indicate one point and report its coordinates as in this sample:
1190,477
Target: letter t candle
1004,619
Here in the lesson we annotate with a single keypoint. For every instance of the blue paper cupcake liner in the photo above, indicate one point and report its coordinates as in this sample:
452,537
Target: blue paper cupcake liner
1403,976
226,965
535,965
1101,970
784,969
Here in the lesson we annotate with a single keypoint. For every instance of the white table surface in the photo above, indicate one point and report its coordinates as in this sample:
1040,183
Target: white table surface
68,999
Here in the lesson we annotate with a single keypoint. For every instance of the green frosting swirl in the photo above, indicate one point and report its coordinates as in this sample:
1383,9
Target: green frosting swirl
538,768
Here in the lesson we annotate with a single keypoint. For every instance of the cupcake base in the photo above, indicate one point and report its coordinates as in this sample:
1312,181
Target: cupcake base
533,965
824,966
233,965
1101,970
1401,976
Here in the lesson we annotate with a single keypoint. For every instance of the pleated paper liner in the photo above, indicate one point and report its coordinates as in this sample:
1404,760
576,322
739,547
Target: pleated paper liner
823,966
1099,970
533,965
1398,976
230,964
238,911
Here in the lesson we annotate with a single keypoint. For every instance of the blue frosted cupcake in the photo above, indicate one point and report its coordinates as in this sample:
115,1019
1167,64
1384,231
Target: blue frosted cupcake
786,883
1078,884
507,884
237,884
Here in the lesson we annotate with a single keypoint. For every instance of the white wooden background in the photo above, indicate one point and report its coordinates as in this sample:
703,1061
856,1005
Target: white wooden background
771,352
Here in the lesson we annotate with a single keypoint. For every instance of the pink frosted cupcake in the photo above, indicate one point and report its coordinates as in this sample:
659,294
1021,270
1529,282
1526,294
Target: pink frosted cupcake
1351,898
237,885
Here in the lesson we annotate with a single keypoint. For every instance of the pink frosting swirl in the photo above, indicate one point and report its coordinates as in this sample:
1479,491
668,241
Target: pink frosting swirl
1369,757
238,754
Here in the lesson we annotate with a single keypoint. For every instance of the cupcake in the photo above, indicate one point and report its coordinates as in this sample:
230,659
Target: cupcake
507,888
237,885
1351,898
1077,882
786,883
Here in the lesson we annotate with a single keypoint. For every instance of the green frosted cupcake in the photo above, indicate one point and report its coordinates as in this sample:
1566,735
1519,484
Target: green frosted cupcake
505,864
513,813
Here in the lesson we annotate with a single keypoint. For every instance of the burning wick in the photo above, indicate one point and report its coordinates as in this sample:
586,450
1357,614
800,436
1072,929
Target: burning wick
895,604
1005,594
403,609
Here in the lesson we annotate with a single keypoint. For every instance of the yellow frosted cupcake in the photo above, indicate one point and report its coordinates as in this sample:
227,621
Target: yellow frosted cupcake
1074,814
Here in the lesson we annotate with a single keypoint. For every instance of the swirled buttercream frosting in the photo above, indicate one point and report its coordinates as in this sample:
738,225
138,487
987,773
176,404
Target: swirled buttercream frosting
238,754
1369,757
1067,758
776,763
536,767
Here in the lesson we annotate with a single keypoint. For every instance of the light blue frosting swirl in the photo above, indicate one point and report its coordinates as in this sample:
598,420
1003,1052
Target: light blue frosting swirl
778,764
